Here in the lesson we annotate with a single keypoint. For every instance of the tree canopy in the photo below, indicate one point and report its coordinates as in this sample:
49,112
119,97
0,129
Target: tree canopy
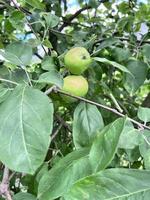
84,139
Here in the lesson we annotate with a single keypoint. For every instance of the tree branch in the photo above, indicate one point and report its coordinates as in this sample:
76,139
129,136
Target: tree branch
55,89
68,21
62,121
4,186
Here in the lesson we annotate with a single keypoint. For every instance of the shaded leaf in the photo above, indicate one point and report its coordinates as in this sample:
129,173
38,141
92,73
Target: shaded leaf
146,50
87,121
121,54
24,196
108,42
139,72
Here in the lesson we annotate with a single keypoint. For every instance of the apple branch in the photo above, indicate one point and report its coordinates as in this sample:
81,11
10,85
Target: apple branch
4,186
55,89
69,20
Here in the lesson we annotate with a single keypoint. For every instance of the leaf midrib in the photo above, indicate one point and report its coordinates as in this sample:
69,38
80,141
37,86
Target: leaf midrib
22,129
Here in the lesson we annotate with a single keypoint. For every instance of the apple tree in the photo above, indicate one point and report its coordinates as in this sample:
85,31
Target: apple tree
74,100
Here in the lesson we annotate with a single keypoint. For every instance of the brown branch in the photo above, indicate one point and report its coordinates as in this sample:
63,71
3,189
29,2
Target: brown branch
76,14
56,132
55,89
62,121
4,186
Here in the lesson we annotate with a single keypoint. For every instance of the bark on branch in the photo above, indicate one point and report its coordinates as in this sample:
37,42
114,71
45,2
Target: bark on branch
76,14
4,186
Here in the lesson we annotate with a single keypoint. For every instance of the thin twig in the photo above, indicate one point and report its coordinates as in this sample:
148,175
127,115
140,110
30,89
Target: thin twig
115,102
61,120
50,89
76,14
56,132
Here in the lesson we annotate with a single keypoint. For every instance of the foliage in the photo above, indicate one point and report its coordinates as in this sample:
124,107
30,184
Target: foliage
94,148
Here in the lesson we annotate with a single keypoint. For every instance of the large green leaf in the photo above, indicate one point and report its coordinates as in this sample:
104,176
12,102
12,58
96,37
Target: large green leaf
64,174
26,123
139,72
112,184
105,145
114,64
24,196
87,121
18,53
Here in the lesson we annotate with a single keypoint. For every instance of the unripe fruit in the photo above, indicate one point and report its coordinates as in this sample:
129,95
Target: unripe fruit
77,60
75,85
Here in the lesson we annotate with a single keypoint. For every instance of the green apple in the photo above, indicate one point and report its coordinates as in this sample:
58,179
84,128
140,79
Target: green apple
75,85
77,60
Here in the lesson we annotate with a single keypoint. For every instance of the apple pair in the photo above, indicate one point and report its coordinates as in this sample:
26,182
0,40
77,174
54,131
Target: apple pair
76,60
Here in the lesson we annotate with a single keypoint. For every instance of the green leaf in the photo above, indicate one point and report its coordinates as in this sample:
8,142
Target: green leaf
51,20
121,54
105,144
18,53
26,123
17,19
35,4
147,159
130,137
48,63
114,64
64,174
52,77
111,184
144,114
108,43
24,196
139,73
87,121
144,148
4,93
146,50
